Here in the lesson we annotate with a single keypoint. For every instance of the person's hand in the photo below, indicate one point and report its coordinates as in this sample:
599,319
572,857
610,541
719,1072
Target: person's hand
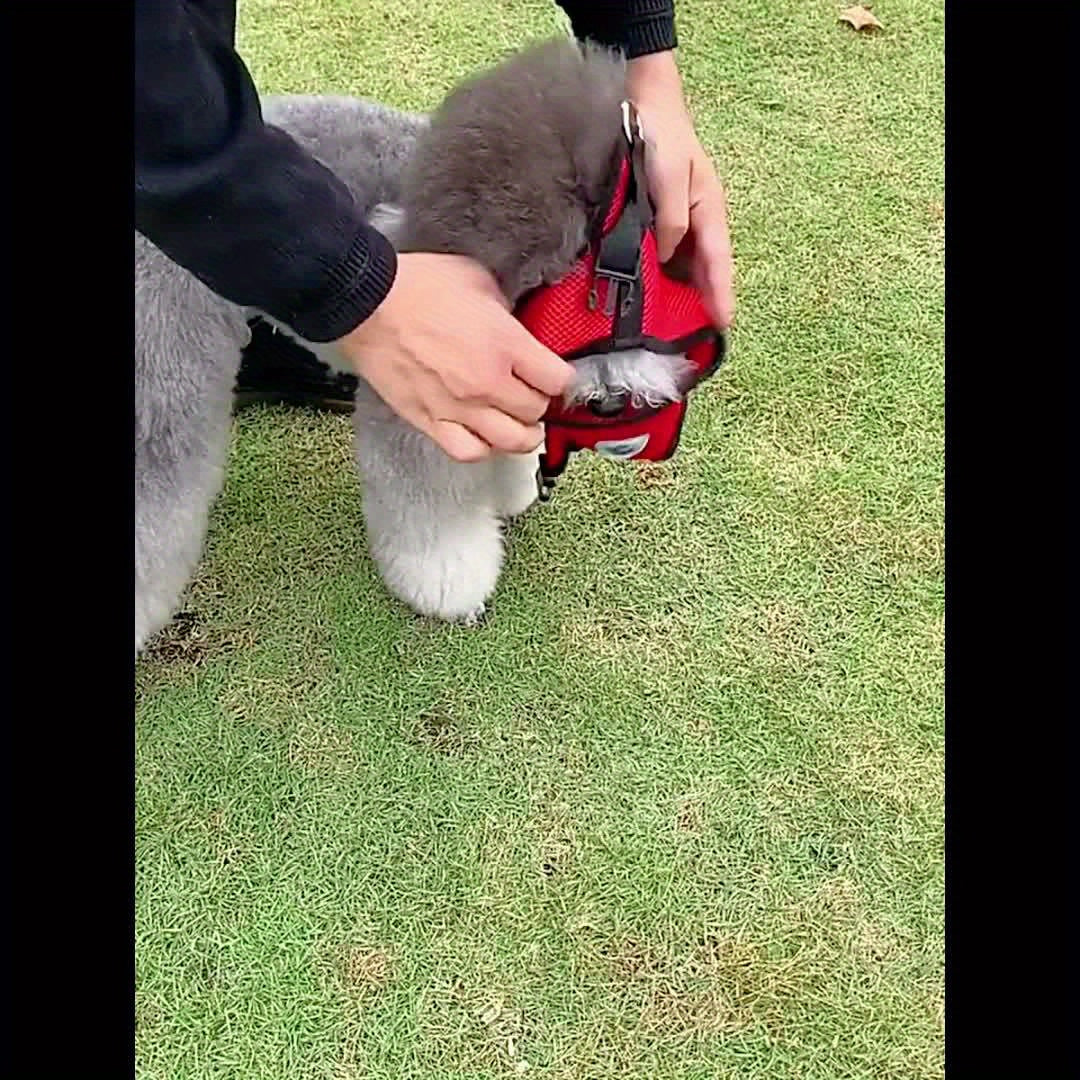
691,210
444,352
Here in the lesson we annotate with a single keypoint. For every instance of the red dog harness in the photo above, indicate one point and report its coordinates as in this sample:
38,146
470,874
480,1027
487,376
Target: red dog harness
618,297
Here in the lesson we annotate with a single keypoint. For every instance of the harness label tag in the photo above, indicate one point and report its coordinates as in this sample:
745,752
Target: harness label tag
622,449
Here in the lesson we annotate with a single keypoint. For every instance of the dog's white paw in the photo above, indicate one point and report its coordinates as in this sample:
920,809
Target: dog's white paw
515,483
443,563
453,587
475,617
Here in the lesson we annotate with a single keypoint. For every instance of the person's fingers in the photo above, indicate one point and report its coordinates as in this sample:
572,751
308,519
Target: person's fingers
458,442
519,400
455,365
538,367
669,186
503,433
713,266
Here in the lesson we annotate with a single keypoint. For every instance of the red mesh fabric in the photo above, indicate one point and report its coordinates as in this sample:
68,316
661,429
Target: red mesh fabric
650,438
560,317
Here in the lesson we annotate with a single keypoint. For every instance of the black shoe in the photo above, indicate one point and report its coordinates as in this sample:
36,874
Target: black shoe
275,370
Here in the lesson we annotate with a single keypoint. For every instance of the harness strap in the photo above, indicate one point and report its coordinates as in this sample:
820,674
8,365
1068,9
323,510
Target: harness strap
618,258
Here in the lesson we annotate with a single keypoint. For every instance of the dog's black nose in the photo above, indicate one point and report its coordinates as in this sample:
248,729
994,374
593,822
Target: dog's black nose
611,405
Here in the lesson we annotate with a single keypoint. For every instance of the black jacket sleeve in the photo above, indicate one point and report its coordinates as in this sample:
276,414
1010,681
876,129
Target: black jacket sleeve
235,201
637,27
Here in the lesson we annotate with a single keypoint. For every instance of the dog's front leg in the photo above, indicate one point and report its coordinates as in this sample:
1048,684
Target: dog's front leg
515,488
433,527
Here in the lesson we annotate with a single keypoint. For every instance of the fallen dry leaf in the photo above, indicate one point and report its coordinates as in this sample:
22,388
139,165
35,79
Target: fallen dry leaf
860,18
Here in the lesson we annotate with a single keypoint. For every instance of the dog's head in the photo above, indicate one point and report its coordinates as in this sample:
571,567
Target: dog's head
518,169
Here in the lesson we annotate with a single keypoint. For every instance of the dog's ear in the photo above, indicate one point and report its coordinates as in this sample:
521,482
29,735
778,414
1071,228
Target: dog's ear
389,219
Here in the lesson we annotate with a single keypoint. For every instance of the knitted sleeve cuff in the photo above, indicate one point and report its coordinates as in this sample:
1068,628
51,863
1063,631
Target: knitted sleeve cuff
354,289
635,27
651,35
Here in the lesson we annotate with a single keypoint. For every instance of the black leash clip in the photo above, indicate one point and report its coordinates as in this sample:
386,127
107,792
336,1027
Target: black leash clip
545,485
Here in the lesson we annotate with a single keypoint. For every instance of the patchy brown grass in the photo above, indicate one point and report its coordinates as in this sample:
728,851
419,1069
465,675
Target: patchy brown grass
439,731
792,469
558,844
720,985
321,748
189,641
361,968
272,703
877,767
480,1028
656,474
690,813
774,635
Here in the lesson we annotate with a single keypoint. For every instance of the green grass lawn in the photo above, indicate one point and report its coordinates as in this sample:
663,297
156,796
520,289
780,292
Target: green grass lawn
676,810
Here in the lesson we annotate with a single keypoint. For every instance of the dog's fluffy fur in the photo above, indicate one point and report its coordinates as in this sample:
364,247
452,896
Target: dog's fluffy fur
512,170
188,343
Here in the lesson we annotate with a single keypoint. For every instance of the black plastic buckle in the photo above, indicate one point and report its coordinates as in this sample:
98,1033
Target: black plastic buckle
618,261
544,485
619,282
618,258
